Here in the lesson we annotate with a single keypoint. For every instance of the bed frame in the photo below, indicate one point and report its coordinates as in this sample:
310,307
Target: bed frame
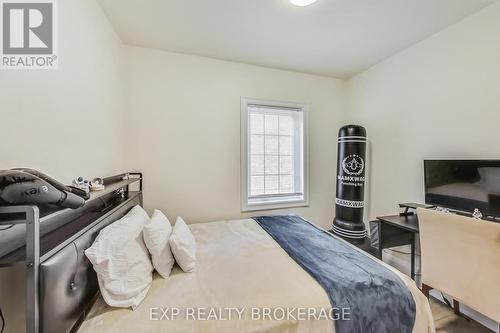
60,281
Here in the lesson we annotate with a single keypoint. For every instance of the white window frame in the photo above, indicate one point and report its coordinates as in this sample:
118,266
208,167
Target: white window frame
270,202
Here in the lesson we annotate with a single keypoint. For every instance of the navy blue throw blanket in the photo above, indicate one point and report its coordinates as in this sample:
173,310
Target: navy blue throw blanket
378,300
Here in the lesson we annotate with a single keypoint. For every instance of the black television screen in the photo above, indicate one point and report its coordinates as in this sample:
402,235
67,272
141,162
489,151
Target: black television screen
463,185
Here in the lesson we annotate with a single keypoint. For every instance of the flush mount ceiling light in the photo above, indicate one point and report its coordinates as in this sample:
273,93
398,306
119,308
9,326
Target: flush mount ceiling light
302,3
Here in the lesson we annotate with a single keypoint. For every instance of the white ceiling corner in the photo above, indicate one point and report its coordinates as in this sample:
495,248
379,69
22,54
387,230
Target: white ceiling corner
337,38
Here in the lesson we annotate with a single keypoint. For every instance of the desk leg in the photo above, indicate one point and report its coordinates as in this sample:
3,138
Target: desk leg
380,241
379,252
412,257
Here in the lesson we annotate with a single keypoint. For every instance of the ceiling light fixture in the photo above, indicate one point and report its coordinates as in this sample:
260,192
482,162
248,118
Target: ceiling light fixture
302,3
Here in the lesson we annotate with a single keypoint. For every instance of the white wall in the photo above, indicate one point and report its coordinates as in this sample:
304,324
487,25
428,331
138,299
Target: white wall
183,115
437,99
65,122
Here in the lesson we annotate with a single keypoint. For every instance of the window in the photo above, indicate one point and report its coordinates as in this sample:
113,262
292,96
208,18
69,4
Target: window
274,155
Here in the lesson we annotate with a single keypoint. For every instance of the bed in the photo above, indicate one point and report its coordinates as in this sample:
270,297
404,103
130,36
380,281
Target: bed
245,270
241,271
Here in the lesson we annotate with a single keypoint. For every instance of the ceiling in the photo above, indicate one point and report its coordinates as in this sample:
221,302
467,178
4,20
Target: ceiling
337,38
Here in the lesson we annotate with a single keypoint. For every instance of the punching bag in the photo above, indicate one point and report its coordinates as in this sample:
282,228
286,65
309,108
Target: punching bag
349,200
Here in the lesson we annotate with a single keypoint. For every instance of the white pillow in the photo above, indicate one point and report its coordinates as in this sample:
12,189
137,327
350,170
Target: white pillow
156,234
121,260
183,245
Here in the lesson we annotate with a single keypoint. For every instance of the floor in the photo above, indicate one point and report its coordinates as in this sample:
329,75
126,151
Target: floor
447,322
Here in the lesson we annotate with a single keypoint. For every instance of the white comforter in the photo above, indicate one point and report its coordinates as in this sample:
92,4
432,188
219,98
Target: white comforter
241,272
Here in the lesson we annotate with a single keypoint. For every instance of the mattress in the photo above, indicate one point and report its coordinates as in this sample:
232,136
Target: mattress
244,282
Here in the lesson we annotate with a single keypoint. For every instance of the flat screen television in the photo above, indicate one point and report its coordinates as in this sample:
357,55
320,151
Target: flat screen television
464,185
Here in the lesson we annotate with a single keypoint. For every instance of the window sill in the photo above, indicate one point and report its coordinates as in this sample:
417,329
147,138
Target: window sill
275,204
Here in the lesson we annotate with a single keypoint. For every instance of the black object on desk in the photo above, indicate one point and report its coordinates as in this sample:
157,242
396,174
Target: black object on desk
395,230
411,205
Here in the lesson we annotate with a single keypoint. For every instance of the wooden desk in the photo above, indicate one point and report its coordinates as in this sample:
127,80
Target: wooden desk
396,230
